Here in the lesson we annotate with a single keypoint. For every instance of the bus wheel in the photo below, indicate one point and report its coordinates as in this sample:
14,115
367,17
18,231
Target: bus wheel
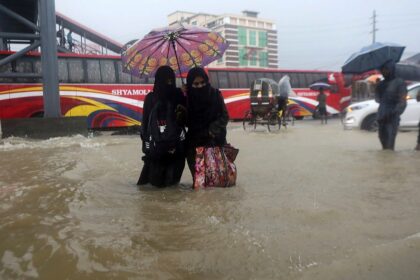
370,123
37,115
249,122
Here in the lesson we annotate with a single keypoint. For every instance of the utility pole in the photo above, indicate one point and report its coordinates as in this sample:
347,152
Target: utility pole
49,59
374,29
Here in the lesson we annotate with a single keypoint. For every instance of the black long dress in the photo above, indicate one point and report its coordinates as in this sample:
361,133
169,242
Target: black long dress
168,170
207,121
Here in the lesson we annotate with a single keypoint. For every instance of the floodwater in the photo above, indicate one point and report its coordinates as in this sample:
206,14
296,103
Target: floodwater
312,202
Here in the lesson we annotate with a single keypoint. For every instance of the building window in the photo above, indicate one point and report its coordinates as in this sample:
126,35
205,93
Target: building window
252,38
252,56
262,39
242,36
263,59
194,22
243,59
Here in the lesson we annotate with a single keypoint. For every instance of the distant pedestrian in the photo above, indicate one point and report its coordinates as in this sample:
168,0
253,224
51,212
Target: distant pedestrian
61,38
285,89
391,94
322,105
418,137
70,41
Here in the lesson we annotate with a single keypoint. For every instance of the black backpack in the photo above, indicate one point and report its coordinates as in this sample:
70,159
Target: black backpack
163,138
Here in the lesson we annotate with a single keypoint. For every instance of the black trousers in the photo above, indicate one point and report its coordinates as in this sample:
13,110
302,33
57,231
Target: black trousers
387,132
162,173
418,136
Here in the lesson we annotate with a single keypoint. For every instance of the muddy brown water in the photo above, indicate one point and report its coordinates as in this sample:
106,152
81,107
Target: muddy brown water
312,202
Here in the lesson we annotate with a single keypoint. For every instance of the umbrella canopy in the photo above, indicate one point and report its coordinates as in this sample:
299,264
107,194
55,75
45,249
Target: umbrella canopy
372,57
285,89
181,47
319,85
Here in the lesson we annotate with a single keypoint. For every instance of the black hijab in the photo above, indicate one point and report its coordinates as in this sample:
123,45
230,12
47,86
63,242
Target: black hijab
203,103
389,66
165,86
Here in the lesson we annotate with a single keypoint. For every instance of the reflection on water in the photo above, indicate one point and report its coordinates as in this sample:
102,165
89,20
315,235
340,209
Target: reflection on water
312,202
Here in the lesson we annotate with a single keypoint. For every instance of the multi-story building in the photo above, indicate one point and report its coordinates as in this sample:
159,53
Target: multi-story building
253,40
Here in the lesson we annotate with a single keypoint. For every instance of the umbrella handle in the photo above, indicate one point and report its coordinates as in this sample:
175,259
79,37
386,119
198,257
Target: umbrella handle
177,62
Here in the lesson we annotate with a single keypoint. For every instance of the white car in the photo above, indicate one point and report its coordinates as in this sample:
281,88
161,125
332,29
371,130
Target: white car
362,115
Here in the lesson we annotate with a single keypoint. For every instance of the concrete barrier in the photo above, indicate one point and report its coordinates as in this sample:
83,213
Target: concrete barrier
44,128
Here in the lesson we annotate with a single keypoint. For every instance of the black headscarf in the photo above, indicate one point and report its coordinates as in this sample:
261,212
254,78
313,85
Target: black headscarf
163,90
390,66
203,103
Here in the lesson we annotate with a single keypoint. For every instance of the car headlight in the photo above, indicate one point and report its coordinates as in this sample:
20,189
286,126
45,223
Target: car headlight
356,107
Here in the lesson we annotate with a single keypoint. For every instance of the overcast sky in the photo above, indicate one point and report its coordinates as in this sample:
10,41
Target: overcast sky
318,34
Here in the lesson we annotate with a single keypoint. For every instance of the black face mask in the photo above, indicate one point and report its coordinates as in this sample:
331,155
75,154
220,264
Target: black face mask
201,91
169,88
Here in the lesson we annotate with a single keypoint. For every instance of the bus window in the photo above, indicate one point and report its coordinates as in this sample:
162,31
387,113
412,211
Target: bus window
233,79
243,81
259,75
38,70
63,71
123,78
223,79
311,78
294,81
321,77
76,74
213,79
277,76
251,77
302,80
24,65
269,75
93,71
3,69
142,80
108,71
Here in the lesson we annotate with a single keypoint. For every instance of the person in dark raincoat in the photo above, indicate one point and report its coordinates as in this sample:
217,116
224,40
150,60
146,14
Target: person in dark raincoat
391,94
207,115
417,148
168,170
322,105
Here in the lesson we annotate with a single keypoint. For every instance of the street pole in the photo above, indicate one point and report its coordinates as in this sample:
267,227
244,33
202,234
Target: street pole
374,29
49,59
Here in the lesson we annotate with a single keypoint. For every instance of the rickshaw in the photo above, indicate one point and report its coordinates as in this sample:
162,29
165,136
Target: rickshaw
263,99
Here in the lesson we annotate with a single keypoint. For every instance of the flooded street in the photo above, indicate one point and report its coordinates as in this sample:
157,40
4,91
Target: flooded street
312,202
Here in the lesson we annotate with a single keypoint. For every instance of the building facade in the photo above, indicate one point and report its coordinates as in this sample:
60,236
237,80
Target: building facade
253,41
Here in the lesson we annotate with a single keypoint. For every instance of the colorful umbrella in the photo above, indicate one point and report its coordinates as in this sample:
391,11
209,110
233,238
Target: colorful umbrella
319,85
181,47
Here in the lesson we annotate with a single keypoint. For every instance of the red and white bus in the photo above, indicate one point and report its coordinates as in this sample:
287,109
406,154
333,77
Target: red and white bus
95,86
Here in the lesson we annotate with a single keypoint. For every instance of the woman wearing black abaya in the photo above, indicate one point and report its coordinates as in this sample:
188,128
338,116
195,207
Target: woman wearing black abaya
207,115
166,170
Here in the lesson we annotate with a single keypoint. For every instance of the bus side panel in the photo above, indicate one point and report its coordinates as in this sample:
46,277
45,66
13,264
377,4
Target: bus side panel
106,106
25,101
237,102
4,99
